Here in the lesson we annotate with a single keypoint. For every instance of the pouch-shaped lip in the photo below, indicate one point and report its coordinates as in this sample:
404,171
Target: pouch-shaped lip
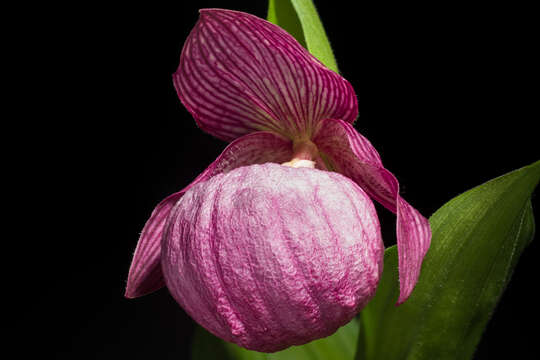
269,256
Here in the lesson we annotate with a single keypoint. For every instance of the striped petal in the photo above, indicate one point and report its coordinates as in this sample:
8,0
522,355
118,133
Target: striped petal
145,275
239,74
352,155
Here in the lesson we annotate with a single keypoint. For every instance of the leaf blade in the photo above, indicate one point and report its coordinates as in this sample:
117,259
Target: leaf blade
458,290
300,19
341,345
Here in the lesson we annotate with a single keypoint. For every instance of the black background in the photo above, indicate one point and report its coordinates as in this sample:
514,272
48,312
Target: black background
445,95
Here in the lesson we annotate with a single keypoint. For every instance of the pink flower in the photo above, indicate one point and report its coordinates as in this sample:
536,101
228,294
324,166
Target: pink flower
262,254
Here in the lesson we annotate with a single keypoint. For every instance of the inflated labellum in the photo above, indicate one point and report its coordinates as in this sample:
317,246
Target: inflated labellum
269,256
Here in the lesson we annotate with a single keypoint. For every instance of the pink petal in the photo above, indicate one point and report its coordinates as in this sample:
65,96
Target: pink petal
266,256
145,274
239,73
352,155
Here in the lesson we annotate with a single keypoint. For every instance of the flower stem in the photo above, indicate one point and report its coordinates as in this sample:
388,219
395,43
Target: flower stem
305,154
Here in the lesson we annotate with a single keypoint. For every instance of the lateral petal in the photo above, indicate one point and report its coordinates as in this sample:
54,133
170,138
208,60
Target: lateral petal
239,74
352,155
145,275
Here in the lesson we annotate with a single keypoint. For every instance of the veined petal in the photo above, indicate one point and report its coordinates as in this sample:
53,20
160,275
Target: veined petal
145,275
352,155
239,74
263,257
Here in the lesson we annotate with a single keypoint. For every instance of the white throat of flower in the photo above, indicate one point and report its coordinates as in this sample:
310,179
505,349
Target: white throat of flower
296,163
305,154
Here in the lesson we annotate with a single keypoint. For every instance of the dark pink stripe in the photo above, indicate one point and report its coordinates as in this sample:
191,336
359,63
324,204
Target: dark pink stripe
250,49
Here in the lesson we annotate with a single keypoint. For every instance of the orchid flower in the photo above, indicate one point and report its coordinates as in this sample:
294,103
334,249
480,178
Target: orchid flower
277,242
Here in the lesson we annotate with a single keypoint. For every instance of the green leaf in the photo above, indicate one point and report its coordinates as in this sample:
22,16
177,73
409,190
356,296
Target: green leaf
477,240
300,19
341,345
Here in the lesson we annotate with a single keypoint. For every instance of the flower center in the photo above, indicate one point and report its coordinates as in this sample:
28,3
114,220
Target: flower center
305,154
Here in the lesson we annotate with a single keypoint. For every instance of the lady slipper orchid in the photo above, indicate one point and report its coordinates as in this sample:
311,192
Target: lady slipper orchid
277,242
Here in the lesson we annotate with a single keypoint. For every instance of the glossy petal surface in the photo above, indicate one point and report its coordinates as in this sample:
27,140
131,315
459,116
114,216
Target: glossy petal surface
352,155
269,256
239,73
145,273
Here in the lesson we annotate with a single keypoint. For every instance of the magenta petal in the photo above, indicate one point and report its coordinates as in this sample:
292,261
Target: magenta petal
269,256
352,155
145,274
239,74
